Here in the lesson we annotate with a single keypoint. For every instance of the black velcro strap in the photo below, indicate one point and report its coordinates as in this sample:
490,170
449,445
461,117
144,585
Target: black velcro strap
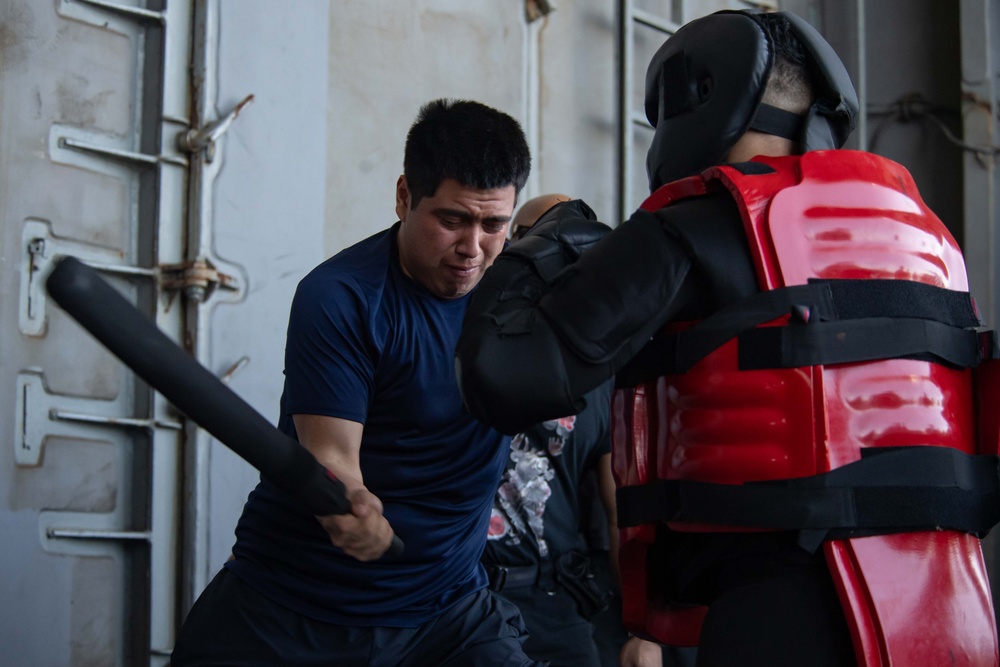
890,490
850,341
672,353
780,123
857,299
818,301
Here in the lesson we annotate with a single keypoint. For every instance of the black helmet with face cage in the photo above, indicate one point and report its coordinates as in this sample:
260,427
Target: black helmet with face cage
704,88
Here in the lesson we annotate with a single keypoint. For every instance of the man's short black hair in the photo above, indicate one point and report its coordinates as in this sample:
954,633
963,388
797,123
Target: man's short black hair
476,145
789,86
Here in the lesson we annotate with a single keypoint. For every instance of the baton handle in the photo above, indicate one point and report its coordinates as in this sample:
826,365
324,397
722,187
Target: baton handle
195,391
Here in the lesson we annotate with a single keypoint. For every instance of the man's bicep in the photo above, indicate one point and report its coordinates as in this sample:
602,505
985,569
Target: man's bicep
335,442
329,369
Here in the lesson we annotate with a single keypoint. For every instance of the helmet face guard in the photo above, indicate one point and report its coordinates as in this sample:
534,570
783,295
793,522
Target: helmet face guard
704,88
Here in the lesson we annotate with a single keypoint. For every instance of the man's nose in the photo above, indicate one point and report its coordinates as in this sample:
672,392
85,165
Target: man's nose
469,241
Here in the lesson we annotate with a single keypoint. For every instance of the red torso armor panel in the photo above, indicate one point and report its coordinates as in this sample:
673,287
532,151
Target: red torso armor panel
829,215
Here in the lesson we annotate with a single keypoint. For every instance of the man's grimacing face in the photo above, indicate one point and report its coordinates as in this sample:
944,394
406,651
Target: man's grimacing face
449,240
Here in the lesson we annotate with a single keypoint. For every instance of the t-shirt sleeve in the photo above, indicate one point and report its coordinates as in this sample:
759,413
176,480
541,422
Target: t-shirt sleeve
329,352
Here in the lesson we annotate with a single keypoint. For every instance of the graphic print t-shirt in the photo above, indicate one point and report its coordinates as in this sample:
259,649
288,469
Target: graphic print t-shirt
536,512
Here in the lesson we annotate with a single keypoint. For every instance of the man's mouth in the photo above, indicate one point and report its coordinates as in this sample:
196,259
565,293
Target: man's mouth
463,270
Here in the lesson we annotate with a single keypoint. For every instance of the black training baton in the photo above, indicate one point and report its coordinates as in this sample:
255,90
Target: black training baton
196,392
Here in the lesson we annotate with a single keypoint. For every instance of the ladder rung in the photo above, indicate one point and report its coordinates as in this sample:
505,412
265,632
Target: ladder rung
655,22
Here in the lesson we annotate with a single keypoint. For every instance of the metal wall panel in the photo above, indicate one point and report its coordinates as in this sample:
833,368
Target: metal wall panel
266,208
980,51
89,470
385,60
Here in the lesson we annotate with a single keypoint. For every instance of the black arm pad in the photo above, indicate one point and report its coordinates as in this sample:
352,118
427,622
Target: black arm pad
512,382
533,344
508,361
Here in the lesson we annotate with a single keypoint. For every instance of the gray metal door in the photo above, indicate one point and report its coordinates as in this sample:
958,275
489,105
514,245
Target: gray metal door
93,95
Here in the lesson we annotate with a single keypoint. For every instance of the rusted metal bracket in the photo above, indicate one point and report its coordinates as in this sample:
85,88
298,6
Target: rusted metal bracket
196,279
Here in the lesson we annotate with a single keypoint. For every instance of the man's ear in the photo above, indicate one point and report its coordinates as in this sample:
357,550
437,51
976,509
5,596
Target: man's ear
402,197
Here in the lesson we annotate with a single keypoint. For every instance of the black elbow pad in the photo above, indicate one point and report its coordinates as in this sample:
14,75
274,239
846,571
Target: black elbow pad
512,382
509,363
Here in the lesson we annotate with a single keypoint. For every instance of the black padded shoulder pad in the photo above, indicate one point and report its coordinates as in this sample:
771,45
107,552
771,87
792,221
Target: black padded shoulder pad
710,230
608,304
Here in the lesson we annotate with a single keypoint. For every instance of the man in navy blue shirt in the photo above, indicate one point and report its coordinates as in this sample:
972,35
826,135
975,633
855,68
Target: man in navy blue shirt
370,390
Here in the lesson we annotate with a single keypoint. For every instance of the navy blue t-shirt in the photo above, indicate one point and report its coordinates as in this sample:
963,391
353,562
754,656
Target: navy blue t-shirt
367,344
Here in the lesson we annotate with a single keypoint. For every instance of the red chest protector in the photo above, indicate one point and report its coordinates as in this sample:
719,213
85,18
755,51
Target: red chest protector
826,218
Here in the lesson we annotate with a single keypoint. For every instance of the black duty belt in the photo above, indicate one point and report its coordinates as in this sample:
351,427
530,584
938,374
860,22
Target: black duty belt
890,490
520,576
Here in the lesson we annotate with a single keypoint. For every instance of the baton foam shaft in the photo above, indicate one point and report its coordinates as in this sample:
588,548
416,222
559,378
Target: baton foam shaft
199,394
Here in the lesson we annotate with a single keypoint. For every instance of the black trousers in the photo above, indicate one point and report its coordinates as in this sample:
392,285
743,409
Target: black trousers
770,602
232,624
609,630
557,632
788,619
